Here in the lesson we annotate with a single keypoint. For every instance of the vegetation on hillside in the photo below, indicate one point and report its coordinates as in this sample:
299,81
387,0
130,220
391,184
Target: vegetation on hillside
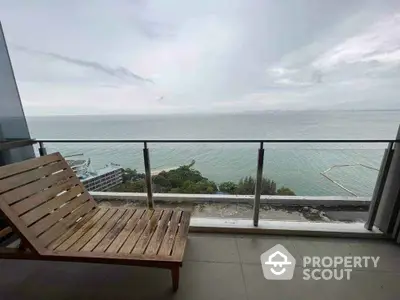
187,180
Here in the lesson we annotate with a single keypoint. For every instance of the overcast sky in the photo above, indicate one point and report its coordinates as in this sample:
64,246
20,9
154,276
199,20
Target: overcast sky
176,56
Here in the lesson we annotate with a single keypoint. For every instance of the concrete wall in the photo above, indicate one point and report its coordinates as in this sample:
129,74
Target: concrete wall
12,118
265,199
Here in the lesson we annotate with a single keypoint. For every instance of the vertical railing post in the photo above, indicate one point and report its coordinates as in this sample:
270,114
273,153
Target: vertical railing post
257,196
147,171
42,149
379,186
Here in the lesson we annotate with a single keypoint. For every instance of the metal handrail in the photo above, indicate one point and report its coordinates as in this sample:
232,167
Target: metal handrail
214,141
260,162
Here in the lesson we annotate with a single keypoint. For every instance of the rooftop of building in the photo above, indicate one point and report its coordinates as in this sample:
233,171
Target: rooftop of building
99,172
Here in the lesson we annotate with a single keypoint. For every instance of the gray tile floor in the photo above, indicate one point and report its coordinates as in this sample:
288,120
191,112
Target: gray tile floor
215,267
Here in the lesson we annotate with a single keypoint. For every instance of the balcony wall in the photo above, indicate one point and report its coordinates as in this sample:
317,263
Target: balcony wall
265,199
332,215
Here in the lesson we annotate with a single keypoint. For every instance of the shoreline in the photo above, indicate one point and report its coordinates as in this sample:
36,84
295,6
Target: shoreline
158,171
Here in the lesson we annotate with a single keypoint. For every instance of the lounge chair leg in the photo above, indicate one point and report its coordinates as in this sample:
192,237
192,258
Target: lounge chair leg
175,278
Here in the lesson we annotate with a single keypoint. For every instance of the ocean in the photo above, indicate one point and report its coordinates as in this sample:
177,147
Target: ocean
297,166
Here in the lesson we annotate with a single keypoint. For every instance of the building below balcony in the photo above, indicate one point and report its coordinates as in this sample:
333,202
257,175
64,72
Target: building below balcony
97,180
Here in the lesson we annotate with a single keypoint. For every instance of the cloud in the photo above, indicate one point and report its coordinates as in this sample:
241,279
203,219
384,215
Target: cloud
350,68
204,56
379,43
118,72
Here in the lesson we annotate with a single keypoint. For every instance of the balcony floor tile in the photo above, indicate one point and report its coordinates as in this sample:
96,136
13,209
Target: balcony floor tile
250,248
220,248
215,267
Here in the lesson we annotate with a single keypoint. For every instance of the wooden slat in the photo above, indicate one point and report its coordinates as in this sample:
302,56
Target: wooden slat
95,240
59,233
145,238
29,176
37,186
48,221
126,231
113,258
181,237
69,224
42,197
60,230
135,234
27,165
73,238
169,238
26,235
5,231
159,234
84,239
114,232
42,210
36,180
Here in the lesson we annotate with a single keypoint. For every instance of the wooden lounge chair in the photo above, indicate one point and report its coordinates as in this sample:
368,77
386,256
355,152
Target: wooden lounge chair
57,219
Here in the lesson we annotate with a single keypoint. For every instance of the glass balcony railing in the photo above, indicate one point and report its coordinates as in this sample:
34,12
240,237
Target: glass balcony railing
305,180
213,170
325,170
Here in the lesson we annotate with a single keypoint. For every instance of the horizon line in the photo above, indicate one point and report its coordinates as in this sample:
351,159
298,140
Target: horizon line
214,113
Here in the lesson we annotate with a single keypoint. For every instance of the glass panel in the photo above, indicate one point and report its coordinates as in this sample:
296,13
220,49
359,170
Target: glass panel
207,175
336,181
302,182
102,166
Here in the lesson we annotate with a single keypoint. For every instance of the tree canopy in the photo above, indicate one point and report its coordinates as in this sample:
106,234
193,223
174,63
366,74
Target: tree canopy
247,186
131,175
187,180
285,191
184,179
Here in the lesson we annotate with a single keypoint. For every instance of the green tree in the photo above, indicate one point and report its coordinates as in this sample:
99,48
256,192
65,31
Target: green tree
131,175
285,191
186,179
247,186
175,191
138,186
201,187
161,184
228,187
268,187
178,176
